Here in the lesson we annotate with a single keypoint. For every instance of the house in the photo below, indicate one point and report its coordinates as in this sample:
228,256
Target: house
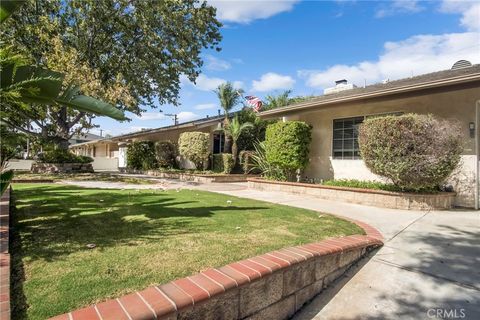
83,137
450,94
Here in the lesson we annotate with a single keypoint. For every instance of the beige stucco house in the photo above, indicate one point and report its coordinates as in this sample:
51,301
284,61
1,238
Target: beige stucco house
334,116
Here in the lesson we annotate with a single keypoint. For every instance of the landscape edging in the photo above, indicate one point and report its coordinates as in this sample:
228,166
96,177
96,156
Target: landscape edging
369,197
272,285
5,256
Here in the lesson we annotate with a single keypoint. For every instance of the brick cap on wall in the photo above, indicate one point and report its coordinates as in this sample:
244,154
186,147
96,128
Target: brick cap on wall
162,301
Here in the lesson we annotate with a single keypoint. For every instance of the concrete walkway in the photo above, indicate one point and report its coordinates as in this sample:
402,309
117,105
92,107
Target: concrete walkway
429,267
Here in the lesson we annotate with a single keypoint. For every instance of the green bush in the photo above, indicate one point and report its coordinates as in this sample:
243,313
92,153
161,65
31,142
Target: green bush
246,160
287,146
253,134
353,183
413,151
195,146
141,155
62,156
260,164
223,162
165,152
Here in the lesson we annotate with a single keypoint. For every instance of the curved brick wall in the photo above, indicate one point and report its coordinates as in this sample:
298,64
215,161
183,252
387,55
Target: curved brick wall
270,286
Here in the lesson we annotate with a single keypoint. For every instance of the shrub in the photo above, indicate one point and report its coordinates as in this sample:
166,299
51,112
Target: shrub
223,162
353,183
165,152
141,155
195,146
246,160
261,164
253,134
287,145
413,151
62,156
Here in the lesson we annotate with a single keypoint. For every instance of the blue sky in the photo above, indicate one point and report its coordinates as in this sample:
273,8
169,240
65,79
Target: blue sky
271,46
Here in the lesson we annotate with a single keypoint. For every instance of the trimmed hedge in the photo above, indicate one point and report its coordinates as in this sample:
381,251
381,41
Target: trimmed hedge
195,146
246,160
375,185
223,162
165,152
287,146
141,155
413,151
62,156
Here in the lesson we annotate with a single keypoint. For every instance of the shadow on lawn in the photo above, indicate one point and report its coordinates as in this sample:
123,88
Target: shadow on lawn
59,221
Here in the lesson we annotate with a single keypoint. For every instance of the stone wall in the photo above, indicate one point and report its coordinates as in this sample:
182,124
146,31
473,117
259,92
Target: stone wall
271,286
38,167
4,256
369,197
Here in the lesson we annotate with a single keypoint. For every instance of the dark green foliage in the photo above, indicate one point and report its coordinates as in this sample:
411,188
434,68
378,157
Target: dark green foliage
246,161
62,156
223,162
353,183
261,164
195,146
141,155
287,146
165,152
5,178
413,151
251,135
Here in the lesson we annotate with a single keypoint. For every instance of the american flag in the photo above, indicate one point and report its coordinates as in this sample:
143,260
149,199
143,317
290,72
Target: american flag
254,102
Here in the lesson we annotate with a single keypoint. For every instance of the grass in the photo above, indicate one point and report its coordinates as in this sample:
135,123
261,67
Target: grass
97,176
352,183
143,238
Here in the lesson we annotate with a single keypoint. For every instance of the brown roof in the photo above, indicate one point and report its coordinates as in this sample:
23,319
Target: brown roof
425,80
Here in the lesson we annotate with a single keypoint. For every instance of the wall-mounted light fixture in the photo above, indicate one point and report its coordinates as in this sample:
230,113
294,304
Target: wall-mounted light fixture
471,127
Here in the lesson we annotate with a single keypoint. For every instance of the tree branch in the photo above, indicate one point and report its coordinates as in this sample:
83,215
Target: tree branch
75,120
20,128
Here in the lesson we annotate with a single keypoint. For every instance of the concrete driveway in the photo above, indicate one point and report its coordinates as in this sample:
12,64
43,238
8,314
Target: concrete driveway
429,267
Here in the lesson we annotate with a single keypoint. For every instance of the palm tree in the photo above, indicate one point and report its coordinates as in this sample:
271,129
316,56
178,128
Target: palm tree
229,97
278,101
233,130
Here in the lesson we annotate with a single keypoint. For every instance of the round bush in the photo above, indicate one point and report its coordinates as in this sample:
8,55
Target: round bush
413,151
141,155
195,146
287,145
165,152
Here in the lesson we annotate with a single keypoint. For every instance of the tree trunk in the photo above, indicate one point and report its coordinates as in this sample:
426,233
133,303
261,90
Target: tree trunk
234,152
227,146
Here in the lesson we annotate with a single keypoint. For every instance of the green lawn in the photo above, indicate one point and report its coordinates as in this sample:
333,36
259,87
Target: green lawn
142,237
97,176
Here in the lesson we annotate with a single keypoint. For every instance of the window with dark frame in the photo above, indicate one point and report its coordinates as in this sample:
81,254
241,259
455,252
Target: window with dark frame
345,138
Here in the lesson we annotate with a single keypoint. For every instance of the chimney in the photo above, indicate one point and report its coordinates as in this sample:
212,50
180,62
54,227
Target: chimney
219,112
340,85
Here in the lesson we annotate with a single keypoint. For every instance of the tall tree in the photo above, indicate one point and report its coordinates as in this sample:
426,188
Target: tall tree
229,97
234,129
126,53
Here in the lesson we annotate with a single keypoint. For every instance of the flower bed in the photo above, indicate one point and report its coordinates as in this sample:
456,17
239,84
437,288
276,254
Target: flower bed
370,197
199,177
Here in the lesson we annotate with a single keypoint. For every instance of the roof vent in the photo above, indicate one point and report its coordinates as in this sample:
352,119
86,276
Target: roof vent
340,85
461,64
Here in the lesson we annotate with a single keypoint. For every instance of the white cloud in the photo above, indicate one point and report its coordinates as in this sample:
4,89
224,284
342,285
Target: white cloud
204,83
145,116
216,64
205,106
398,7
272,81
186,116
418,55
247,11
238,84
470,11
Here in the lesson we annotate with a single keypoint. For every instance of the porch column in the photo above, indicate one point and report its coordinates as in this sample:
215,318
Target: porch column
122,155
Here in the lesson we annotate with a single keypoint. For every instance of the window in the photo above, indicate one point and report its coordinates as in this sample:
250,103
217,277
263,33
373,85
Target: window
345,138
218,142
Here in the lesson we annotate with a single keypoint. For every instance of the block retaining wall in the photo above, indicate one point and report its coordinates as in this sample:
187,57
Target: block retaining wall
271,286
4,256
38,167
369,197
